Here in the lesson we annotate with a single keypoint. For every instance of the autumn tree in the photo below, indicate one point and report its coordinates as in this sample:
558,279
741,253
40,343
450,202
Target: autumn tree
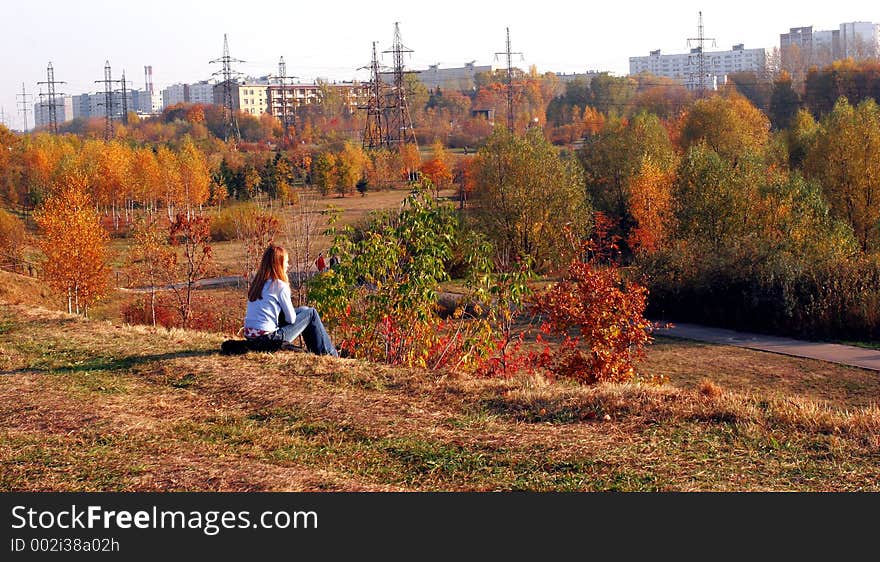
651,206
324,172
151,256
145,177
525,194
170,182
438,168
9,147
845,159
260,230
784,102
12,238
729,125
75,245
380,168
408,159
712,199
350,165
598,315
190,236
302,231
612,157
195,176
252,182
801,136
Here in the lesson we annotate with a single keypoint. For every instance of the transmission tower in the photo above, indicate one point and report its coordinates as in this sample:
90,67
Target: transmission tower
509,55
52,95
375,130
228,101
398,123
287,117
24,102
124,92
701,40
108,100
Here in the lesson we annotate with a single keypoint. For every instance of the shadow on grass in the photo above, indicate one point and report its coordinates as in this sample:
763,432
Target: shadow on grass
108,364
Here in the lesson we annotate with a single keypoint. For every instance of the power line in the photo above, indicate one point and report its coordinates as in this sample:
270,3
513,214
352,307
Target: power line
509,54
228,74
287,118
399,128
108,99
374,129
52,95
24,100
701,39
124,99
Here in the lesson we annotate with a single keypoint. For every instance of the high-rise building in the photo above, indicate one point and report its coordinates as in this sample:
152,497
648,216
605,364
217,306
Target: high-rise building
63,111
803,47
201,92
860,39
174,94
685,67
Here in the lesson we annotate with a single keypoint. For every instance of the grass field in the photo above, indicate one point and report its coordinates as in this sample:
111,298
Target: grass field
92,405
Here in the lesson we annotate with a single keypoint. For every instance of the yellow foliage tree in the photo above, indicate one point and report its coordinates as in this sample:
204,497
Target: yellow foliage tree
651,206
845,159
75,245
729,125
195,176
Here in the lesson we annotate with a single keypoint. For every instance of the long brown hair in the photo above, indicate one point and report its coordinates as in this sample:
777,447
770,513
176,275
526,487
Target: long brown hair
271,267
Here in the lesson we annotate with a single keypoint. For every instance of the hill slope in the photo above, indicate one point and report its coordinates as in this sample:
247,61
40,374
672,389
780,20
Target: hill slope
94,406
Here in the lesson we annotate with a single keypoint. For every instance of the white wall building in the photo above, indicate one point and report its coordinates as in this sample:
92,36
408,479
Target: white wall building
685,67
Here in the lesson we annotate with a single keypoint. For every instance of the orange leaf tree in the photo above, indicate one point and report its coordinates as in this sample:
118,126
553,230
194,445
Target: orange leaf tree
651,207
599,315
75,245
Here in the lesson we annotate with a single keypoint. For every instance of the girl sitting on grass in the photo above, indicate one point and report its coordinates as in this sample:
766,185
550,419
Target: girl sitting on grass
270,313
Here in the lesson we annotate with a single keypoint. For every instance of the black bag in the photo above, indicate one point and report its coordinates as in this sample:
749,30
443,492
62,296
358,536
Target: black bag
240,347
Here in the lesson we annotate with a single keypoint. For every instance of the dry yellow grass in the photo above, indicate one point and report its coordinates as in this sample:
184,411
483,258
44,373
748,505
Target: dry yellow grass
92,405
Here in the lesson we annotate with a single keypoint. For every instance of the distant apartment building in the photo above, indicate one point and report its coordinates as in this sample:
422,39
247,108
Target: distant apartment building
685,67
201,92
456,78
249,97
353,94
803,47
175,94
87,106
860,39
63,111
573,76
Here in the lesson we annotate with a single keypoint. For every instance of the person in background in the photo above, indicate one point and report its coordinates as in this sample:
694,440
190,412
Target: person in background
270,312
320,263
334,261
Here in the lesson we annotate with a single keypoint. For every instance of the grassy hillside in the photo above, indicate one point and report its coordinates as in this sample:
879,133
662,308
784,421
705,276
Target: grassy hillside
90,405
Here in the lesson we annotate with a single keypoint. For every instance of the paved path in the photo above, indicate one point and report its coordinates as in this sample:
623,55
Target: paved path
227,281
831,352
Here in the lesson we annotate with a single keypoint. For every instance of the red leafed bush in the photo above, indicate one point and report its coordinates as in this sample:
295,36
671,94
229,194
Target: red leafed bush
598,315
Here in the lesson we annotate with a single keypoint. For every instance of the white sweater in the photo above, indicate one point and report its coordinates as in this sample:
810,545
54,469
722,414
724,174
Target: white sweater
263,314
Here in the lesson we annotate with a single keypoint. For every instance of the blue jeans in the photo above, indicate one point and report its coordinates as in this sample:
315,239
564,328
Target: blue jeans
308,324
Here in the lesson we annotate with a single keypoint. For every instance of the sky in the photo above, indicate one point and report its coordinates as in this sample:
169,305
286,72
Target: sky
332,39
